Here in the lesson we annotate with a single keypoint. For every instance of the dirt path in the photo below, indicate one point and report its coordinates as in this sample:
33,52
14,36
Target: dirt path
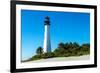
85,57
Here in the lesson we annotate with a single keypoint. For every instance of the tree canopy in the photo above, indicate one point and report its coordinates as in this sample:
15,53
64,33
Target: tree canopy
39,51
63,50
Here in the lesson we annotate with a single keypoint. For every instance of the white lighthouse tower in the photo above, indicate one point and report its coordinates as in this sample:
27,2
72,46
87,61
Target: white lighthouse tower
47,43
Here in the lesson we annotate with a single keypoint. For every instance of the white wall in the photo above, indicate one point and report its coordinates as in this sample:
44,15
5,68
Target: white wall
5,37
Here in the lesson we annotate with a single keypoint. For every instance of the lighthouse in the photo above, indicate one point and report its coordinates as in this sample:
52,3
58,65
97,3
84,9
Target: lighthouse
47,43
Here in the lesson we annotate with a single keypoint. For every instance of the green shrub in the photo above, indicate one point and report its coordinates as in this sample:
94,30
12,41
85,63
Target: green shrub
36,57
48,55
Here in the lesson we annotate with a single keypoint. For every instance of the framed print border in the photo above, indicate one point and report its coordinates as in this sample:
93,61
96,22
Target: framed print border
13,36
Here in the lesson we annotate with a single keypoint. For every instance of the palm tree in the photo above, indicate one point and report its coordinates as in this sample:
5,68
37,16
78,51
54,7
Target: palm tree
61,45
76,45
39,51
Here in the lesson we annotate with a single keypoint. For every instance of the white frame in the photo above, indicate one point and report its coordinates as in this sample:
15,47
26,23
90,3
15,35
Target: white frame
19,64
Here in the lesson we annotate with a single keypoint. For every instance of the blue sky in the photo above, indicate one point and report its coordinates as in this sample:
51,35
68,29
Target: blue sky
65,27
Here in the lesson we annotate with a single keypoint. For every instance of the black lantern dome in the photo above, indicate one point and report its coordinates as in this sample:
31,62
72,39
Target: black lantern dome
47,21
